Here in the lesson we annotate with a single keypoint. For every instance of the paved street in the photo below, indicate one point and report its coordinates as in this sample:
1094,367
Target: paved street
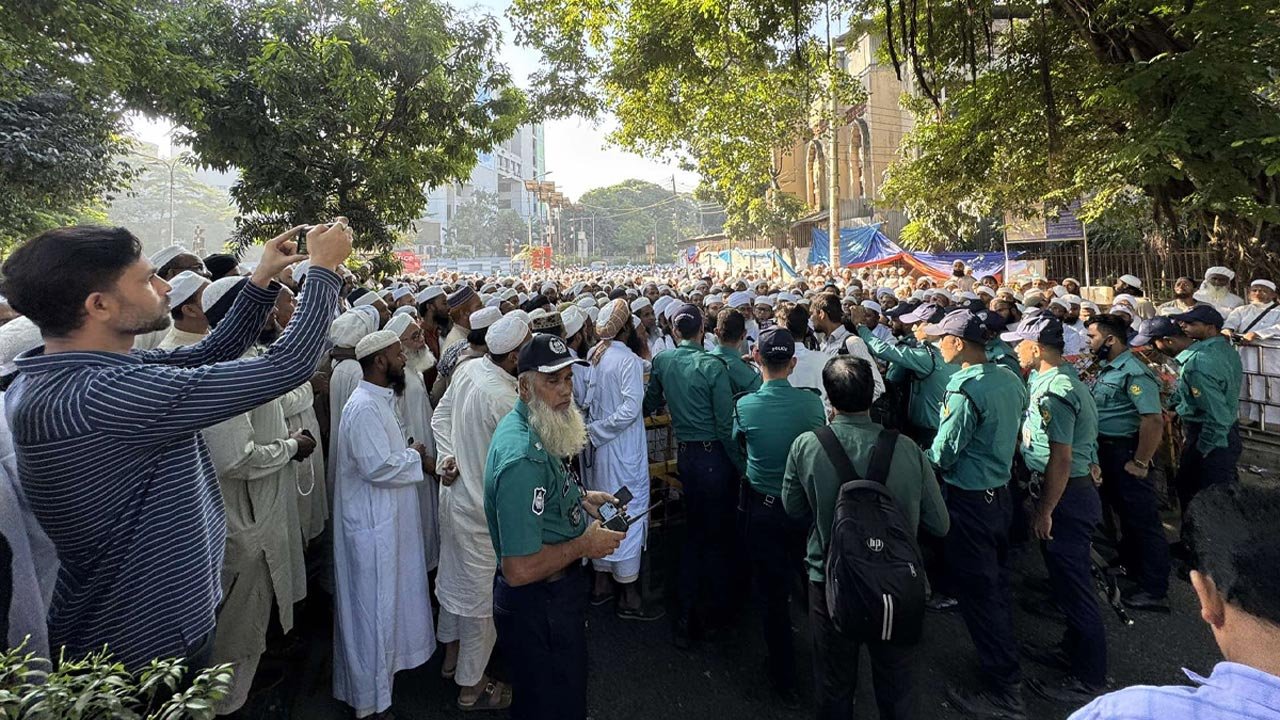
637,673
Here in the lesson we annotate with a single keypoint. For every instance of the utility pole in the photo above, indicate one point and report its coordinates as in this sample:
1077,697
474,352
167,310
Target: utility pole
833,155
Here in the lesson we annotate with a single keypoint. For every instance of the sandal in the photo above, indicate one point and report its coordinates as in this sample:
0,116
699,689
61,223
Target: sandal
488,699
448,672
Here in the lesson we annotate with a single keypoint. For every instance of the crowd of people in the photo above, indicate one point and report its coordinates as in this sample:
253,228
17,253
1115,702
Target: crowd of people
191,446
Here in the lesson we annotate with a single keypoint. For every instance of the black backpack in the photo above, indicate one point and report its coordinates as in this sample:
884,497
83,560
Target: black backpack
875,579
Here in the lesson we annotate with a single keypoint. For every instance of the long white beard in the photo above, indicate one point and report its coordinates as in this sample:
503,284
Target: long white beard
419,361
563,433
1213,294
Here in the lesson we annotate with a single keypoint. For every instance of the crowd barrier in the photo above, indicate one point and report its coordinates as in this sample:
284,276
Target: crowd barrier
1260,391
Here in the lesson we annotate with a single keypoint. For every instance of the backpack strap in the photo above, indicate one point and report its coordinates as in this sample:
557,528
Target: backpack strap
882,456
836,454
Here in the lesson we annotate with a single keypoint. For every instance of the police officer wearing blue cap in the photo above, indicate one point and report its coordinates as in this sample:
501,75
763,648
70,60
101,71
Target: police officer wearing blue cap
1060,447
977,435
694,385
766,422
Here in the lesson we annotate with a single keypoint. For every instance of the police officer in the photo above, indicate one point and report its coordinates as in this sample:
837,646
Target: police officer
977,434
1060,447
694,384
731,331
538,520
920,364
1130,428
1208,401
999,351
767,422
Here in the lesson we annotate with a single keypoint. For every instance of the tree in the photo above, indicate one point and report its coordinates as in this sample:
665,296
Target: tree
340,107
631,214
716,83
144,208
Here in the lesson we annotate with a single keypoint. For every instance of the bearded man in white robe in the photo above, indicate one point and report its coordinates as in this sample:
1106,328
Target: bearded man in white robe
382,603
414,408
1258,321
300,416
481,392
1216,290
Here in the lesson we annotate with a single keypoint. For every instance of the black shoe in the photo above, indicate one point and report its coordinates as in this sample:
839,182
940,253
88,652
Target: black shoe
1003,704
680,633
641,613
1068,691
940,603
1143,600
1051,656
601,599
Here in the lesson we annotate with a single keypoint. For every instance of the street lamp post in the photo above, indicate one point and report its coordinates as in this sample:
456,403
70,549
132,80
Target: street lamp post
172,166
535,188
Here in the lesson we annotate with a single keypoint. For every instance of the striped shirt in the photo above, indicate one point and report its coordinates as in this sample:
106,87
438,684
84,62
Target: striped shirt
113,463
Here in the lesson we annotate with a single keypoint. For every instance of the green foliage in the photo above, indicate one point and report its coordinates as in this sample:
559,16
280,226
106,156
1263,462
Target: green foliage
627,215
98,687
144,207
340,107
480,227
716,84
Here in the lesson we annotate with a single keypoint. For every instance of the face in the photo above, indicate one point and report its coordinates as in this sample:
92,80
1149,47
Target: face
384,313
1058,311
1218,281
1262,294
412,338
1184,288
1028,354
647,317
1072,287
990,282
440,309
285,306
1097,339
393,357
555,389
185,262
763,313
1086,314
137,304
1199,330
652,294
405,301
950,346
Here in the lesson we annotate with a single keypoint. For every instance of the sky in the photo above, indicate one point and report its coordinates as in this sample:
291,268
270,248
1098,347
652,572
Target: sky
577,152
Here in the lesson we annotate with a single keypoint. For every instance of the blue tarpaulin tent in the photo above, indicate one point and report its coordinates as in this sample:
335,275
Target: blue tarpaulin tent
867,247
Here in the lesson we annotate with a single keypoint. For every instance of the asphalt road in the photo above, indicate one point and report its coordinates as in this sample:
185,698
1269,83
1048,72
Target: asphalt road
637,673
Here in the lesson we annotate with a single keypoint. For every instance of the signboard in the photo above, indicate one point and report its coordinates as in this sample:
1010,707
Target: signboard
411,262
1067,226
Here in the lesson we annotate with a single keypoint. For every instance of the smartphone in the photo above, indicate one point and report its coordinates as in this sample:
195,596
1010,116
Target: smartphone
301,239
624,496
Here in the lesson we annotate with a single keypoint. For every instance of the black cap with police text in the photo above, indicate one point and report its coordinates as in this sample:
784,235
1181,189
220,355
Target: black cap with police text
960,323
926,312
546,353
687,320
777,345
1153,329
1043,328
1201,314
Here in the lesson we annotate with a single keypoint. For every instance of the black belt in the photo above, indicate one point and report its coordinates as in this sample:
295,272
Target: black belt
707,445
1116,439
1080,481
766,500
966,491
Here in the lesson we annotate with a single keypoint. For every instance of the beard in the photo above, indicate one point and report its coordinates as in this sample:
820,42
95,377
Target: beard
442,321
396,381
138,326
1183,294
957,273
563,432
1213,294
419,361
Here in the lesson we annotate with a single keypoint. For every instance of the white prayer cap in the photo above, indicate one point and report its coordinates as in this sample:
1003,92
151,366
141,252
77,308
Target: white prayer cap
520,314
548,286
573,319
368,298
1215,270
663,303
428,294
165,256
524,298
1061,303
1070,280
587,302
1059,291
183,286
409,310
401,291
375,341
537,313
1264,283
1090,306
712,299
1072,299
1125,308
484,317
217,289
917,295
672,309
16,337
506,294
883,291
739,299
1124,298
506,334
593,313
351,326
939,291
872,305
1133,281
984,290
971,296
1032,296
399,324
640,303
764,300
486,297
493,302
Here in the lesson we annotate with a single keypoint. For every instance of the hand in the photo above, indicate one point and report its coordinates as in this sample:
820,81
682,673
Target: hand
595,498
278,253
1250,336
320,383
1137,470
329,245
422,453
597,542
306,444
1042,525
1095,472
448,471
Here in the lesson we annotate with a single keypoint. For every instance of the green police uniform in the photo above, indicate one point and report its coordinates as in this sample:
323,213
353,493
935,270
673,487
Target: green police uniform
1001,353
978,430
925,368
1061,411
698,393
1208,392
768,421
529,498
1125,391
742,377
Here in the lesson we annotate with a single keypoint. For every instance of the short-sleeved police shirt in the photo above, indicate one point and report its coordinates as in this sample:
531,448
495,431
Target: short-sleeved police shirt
1125,391
530,498
1061,411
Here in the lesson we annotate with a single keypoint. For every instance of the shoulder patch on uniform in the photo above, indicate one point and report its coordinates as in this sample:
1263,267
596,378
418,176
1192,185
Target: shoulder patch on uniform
1135,390
1195,392
1045,415
539,500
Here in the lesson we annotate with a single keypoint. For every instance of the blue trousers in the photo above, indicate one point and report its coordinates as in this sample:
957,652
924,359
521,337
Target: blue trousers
1067,555
709,479
776,545
542,633
1144,549
1198,471
977,552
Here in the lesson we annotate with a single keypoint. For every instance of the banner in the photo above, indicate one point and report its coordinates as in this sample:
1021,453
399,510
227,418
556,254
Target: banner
868,247
411,262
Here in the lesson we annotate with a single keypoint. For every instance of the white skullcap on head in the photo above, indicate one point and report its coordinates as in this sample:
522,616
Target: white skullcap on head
399,324
573,319
428,294
493,302
939,291
484,317
522,315
16,337
1089,305
301,269
587,302
984,290
663,303
739,299
537,313
506,334
1070,280
1059,291
524,298
872,305
406,310
548,286
593,313
217,289
1264,283
165,256
183,286
1124,308
640,303
1061,303
1215,270
375,341
347,329
1073,299
1133,281
713,299
506,294
401,291
671,310
1124,298
368,298
764,300
917,295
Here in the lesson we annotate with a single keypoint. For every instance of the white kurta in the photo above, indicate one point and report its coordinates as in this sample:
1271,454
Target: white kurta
313,494
855,347
618,453
1261,362
414,409
479,395
382,603
808,372
343,379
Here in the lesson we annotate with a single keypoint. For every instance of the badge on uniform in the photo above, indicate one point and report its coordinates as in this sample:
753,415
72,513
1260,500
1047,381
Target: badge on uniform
539,500
1195,392
1135,390
1044,415
575,515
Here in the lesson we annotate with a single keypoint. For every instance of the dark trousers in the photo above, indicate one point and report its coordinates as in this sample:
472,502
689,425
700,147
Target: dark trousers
1144,549
710,484
1197,472
977,550
894,668
1070,563
775,544
542,633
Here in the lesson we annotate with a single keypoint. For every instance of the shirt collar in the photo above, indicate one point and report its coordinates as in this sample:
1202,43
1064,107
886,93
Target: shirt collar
1241,681
779,382
384,393
858,420
691,345
35,361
